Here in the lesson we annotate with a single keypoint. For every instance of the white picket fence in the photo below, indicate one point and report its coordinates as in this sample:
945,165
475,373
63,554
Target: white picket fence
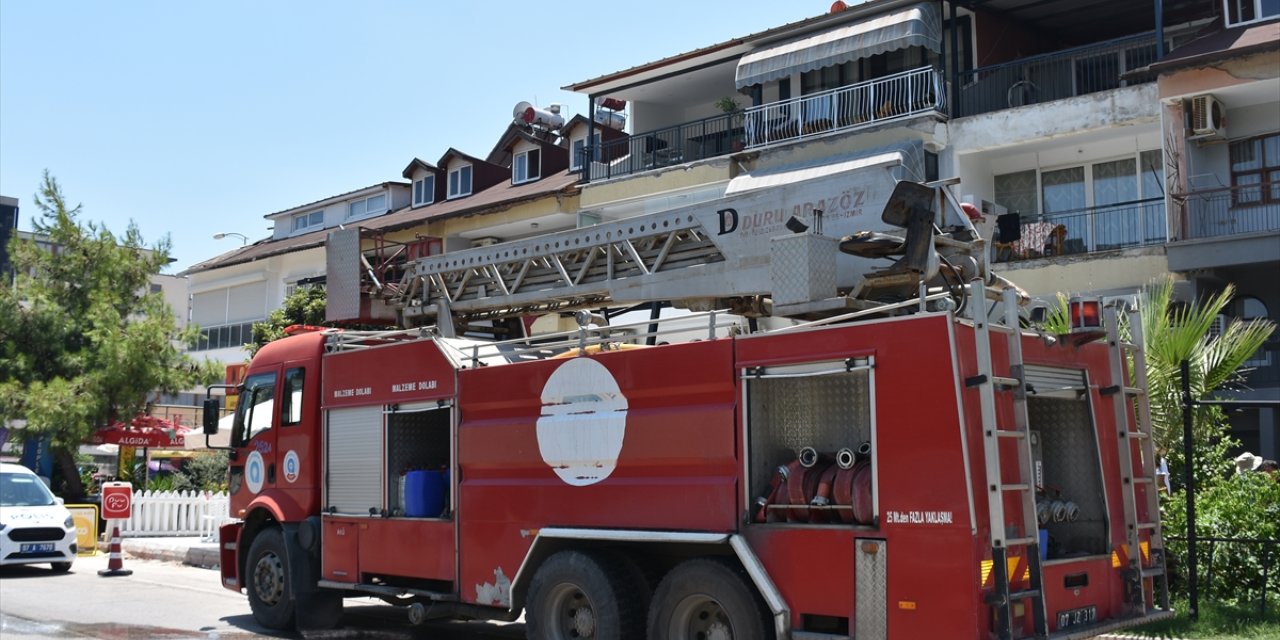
176,513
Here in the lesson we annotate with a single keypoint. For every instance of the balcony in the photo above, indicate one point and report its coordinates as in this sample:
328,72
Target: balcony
1054,76
1229,211
857,106
1090,230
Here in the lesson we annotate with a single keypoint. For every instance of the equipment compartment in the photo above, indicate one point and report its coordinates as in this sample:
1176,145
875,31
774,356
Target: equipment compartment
1070,503
417,440
809,431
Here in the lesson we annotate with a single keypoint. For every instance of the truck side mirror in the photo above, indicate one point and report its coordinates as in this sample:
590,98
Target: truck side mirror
210,417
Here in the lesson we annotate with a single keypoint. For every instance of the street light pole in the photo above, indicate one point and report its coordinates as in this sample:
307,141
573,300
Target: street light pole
243,238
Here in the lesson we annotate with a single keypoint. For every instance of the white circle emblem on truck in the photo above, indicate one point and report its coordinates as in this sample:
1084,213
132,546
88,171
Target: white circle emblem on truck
291,466
584,419
254,472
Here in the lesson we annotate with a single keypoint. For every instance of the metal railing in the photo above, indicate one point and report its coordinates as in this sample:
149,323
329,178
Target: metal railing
893,97
1231,211
1250,563
864,104
685,142
1054,76
1089,230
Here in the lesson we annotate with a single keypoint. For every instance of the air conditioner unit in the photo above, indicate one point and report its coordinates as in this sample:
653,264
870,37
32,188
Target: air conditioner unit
1208,118
485,242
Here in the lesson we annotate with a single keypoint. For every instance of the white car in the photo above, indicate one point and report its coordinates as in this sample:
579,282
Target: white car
34,526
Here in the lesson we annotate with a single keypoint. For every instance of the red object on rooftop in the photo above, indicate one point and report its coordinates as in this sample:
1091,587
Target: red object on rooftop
838,6
143,431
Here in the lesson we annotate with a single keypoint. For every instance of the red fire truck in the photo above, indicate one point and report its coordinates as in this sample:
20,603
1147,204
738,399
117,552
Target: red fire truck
915,469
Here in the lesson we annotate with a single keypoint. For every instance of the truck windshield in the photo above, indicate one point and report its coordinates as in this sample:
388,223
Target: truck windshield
253,415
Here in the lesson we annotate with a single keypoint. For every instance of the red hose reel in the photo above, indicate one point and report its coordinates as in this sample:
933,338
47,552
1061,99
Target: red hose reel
820,488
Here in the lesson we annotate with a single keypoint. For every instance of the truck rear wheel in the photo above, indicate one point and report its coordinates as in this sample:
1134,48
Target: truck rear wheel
268,581
707,599
578,595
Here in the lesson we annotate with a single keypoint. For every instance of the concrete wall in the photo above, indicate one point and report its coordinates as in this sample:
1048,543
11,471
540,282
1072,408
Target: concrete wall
1109,111
1087,273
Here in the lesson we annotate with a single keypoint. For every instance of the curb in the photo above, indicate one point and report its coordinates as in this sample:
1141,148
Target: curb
192,556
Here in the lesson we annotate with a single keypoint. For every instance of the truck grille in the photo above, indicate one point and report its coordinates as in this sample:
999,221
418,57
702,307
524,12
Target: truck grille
37,534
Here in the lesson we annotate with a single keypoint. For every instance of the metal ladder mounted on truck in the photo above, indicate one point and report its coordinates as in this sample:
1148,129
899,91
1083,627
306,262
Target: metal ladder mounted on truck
691,257
1133,421
1025,536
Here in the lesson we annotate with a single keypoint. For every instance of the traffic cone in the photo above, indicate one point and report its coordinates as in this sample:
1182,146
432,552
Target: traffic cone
115,563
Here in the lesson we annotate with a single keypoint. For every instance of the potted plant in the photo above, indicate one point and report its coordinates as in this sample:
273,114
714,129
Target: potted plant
727,104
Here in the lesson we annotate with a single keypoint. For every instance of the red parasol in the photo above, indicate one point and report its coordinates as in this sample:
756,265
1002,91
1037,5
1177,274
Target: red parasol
142,431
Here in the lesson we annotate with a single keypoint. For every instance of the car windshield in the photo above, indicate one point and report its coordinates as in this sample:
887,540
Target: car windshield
23,490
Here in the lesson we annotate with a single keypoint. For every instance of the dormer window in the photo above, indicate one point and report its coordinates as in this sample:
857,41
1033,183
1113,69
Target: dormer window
372,205
580,148
460,181
527,166
1246,11
308,220
424,190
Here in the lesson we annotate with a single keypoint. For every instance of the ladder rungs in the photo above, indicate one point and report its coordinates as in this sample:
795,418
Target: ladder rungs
1134,391
1136,435
1009,433
1144,480
1018,541
1148,525
1026,593
1015,487
1149,572
1000,328
1001,381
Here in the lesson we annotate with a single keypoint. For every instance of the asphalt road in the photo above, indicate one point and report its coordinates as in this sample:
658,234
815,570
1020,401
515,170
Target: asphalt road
169,601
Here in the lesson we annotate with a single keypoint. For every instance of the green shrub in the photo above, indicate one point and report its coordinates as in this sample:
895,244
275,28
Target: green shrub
1240,506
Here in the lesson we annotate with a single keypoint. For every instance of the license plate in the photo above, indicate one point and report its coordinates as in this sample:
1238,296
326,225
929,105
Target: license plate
1076,617
34,547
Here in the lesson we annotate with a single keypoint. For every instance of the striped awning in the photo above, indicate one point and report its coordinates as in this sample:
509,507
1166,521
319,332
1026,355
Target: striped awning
915,26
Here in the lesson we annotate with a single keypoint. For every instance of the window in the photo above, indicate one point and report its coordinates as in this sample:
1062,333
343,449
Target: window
225,337
1255,170
460,181
253,415
308,220
372,205
527,167
1253,308
292,411
424,191
580,151
1245,11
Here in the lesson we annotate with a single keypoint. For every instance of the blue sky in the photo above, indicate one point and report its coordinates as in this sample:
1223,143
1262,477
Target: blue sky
192,118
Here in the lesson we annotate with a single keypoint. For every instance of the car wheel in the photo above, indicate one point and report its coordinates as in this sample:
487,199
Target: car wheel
578,595
60,567
267,573
707,598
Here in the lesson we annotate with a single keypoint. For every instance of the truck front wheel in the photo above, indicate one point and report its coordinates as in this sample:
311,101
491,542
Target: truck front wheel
268,581
576,595
707,599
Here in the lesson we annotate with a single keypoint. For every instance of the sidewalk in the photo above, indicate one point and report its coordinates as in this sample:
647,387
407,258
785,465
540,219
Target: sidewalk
193,551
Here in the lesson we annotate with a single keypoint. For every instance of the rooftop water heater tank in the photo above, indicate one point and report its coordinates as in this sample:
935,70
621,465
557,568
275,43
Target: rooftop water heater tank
527,114
611,119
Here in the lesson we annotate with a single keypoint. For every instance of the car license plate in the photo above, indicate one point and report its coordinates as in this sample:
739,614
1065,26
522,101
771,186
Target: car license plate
36,547
1076,617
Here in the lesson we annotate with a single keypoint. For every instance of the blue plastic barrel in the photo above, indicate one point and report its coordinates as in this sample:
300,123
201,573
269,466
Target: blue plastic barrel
424,493
1044,544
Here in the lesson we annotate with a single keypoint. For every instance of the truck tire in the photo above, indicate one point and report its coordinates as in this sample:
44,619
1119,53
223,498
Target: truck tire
267,581
578,595
708,598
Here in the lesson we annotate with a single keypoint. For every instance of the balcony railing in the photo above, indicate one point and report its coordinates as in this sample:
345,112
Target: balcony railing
1232,211
1054,76
893,97
1089,230
685,142
860,105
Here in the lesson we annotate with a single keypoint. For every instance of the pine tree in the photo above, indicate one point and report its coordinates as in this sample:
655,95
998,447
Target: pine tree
83,339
